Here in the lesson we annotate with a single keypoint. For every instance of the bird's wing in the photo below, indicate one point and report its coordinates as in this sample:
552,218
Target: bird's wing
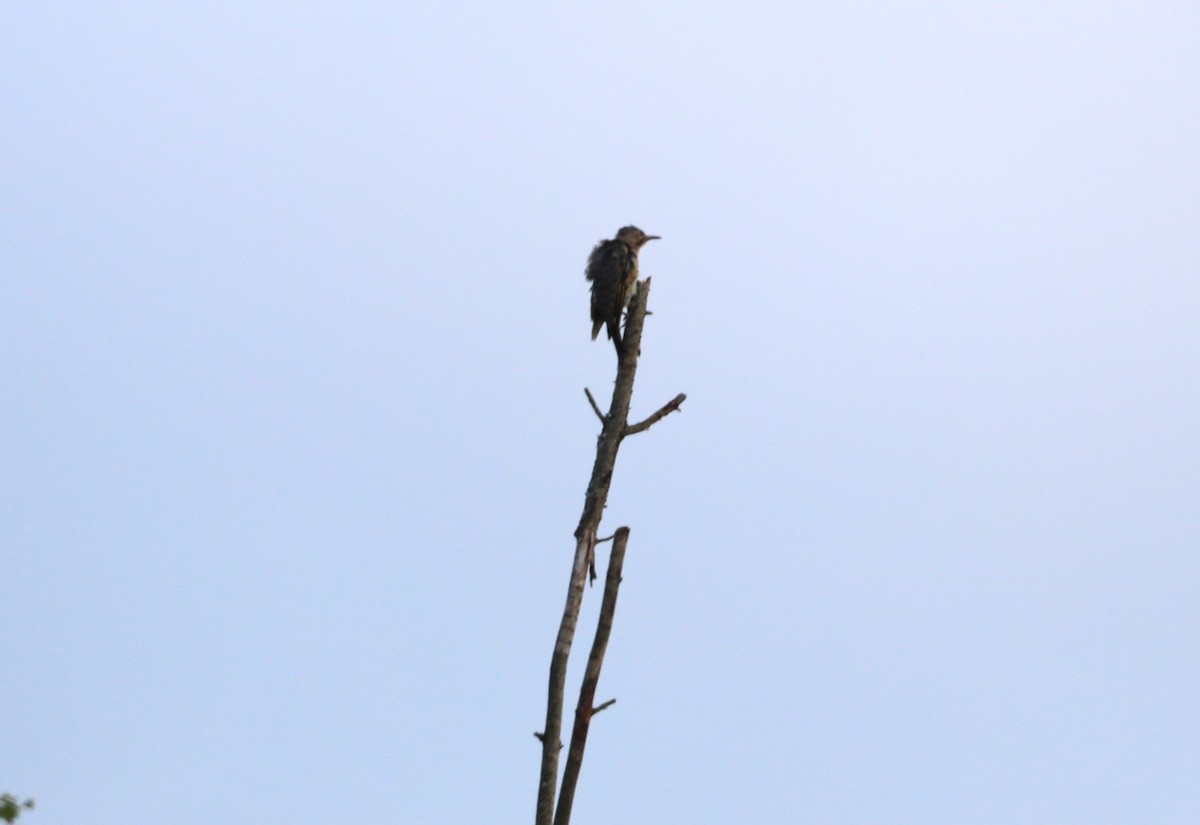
603,270
596,260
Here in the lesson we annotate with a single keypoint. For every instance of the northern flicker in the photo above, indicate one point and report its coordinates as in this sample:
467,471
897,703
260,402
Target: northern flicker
613,270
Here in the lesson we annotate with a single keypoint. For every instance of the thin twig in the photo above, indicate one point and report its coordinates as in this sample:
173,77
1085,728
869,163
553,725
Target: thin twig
603,706
666,409
595,406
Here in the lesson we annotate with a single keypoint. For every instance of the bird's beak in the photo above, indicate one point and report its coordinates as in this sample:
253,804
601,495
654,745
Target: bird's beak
654,237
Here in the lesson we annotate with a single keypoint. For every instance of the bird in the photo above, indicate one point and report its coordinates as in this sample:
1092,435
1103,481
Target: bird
613,270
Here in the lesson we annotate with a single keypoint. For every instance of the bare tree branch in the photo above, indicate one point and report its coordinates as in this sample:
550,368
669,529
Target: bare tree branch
591,677
603,706
614,428
666,409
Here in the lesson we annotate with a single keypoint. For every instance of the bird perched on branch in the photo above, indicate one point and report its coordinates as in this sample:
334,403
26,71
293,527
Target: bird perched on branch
613,270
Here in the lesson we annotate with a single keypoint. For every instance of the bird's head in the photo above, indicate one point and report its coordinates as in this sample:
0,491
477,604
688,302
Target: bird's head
635,237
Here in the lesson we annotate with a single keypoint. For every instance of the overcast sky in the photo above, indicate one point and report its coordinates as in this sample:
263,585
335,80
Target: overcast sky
294,334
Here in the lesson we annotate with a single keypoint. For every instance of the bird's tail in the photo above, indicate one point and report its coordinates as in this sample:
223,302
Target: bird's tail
596,328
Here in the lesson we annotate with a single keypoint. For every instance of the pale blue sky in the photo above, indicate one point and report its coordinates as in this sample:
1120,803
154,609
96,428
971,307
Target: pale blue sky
294,334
